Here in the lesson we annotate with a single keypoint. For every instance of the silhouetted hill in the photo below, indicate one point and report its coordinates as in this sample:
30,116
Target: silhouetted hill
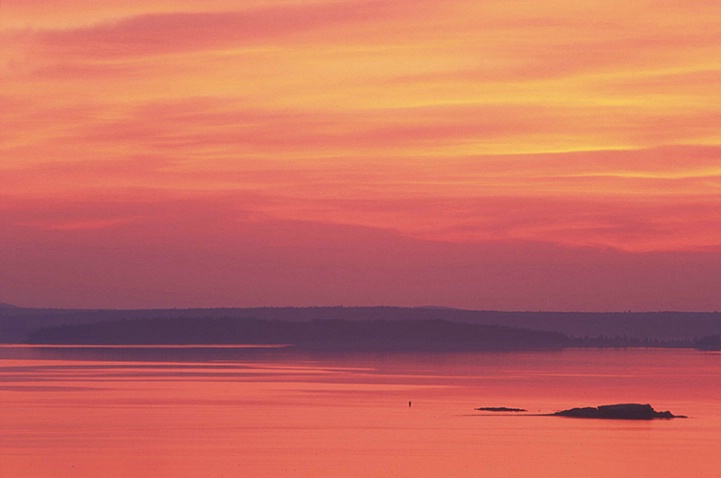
382,335
599,328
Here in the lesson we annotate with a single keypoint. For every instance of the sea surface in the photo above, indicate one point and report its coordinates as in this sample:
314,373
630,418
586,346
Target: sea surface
275,412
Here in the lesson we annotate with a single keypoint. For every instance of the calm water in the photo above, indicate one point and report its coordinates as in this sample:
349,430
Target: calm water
214,412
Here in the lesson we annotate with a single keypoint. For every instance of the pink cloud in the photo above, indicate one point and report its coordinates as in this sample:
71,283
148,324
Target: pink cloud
483,146
231,129
306,263
162,33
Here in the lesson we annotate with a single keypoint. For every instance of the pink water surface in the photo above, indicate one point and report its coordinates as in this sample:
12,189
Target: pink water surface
198,413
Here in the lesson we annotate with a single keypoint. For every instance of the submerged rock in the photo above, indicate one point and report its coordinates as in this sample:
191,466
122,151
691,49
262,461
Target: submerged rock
621,411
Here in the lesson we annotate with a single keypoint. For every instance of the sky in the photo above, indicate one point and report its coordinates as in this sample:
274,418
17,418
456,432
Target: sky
506,155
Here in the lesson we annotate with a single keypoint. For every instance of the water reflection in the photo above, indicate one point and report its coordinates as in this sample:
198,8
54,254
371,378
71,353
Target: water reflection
215,411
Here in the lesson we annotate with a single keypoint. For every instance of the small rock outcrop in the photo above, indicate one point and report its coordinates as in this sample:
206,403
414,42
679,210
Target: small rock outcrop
621,411
501,409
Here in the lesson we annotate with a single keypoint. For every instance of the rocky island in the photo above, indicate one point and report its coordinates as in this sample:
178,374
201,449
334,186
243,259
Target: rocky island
621,411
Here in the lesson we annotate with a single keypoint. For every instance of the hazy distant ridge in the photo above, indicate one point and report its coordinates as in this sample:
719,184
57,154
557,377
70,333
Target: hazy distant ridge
420,335
16,323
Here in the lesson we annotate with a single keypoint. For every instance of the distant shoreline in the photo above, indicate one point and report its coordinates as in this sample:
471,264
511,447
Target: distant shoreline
512,329
378,335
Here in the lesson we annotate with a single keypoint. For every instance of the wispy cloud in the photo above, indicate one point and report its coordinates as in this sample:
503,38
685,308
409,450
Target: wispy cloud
576,125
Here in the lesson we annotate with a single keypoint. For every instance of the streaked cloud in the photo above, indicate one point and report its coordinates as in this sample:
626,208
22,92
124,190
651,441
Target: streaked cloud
459,124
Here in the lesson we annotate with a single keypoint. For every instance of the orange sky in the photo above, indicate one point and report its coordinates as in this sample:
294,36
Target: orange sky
501,155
